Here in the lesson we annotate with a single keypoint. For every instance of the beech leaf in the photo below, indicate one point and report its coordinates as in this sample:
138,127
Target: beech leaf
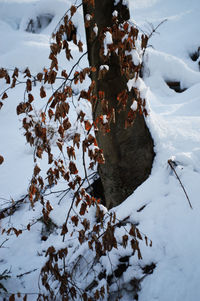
42,92
4,96
1,160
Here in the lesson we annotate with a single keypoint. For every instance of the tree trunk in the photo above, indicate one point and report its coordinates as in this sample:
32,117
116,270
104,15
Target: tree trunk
128,152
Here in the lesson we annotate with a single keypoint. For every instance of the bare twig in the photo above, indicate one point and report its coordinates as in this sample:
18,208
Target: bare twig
84,165
4,242
170,162
56,28
67,79
26,273
152,32
71,206
154,29
12,208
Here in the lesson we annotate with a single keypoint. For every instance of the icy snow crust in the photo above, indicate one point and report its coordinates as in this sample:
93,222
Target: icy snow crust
174,122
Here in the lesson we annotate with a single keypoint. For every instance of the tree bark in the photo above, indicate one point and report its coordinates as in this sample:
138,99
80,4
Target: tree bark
128,152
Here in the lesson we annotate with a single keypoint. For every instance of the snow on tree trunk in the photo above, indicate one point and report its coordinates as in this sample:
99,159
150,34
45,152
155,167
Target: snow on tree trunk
128,151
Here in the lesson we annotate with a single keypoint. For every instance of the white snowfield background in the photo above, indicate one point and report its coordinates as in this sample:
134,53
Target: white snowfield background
174,122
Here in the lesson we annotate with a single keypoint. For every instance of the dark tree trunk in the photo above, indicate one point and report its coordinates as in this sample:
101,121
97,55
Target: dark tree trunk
128,152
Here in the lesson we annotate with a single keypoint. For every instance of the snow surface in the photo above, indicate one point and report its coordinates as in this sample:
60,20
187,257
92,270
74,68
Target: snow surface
174,122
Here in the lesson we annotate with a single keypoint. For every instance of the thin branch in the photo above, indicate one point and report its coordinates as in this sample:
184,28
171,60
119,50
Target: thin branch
56,28
12,208
26,273
84,165
64,195
68,77
58,191
72,204
171,164
4,242
154,29
152,32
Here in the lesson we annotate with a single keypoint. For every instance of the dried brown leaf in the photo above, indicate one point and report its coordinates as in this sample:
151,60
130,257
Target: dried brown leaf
75,220
72,168
73,10
1,159
4,96
125,240
59,144
12,297
30,98
83,208
28,85
36,170
42,92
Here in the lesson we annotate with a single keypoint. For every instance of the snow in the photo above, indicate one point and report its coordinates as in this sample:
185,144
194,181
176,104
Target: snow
107,41
116,2
139,84
106,67
136,58
173,119
115,13
134,106
105,120
171,68
95,29
88,17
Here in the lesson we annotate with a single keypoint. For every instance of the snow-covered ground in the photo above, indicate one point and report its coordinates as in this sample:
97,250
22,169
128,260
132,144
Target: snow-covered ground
174,121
